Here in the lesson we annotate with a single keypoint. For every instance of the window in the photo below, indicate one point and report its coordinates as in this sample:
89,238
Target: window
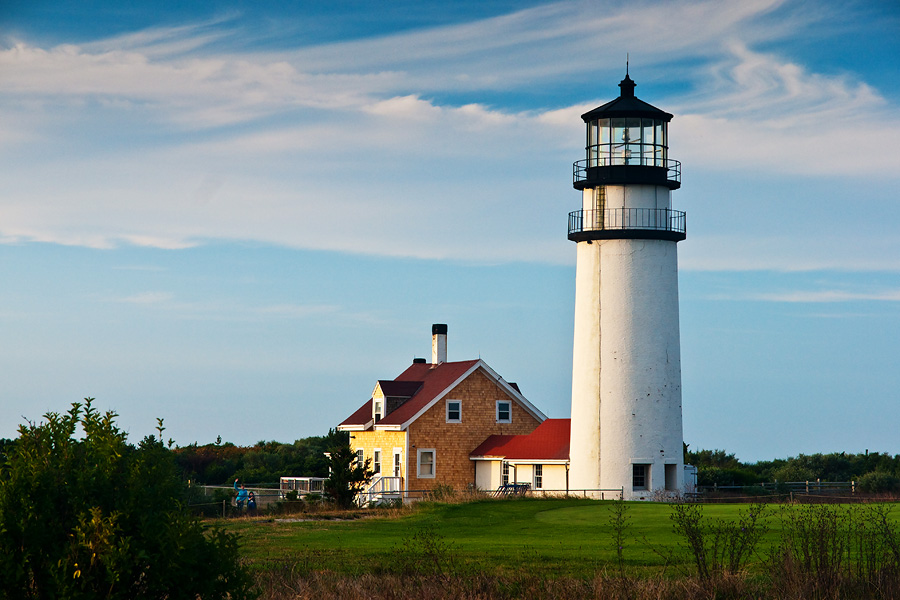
397,459
505,471
378,410
426,463
454,411
360,458
631,141
504,411
538,477
640,479
376,461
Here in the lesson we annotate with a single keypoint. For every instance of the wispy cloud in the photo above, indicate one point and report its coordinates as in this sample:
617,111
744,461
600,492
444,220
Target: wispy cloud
296,310
147,298
819,296
160,138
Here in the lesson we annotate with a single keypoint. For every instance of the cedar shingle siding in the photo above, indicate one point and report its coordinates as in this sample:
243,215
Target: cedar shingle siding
454,441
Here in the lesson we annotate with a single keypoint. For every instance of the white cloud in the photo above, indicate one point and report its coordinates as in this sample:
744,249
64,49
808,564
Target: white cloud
823,296
810,250
775,115
816,296
157,139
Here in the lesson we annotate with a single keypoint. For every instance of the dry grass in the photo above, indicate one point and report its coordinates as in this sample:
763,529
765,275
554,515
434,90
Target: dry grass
287,585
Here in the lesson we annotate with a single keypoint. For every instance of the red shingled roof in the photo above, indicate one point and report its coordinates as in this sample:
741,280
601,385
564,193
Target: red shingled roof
550,441
362,415
433,379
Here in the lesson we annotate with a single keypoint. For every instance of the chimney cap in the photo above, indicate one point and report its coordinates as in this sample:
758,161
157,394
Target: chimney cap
439,329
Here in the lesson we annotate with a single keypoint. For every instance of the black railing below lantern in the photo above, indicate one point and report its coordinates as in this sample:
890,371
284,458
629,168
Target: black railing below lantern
617,170
627,223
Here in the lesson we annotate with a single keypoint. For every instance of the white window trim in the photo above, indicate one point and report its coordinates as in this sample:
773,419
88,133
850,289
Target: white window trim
447,411
497,412
377,414
538,478
360,457
419,453
646,486
397,464
377,461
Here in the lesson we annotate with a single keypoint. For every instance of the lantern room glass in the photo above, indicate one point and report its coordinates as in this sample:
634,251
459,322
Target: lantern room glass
626,141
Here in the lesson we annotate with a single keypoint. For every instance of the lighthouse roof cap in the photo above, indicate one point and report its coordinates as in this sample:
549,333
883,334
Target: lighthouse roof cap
626,105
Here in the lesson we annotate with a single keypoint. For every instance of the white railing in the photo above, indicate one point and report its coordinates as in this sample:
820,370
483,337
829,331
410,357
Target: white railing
302,485
380,488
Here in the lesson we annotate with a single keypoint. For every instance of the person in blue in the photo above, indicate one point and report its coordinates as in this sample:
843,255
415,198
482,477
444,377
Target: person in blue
241,495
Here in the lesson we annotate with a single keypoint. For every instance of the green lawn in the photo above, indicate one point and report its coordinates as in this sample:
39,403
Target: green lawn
562,537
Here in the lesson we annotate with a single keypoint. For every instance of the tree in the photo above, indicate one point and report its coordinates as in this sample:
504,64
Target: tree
347,476
92,516
265,462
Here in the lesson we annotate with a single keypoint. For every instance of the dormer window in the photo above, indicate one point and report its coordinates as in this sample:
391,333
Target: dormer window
379,410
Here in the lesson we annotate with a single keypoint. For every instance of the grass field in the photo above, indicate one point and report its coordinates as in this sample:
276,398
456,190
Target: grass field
553,537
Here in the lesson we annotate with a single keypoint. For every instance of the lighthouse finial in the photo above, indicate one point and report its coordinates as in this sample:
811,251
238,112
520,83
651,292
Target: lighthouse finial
626,64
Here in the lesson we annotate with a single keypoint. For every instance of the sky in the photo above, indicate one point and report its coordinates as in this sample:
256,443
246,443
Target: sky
238,216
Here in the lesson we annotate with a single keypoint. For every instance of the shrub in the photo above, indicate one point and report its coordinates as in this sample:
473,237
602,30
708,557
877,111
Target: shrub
878,482
442,492
92,516
793,472
707,476
720,547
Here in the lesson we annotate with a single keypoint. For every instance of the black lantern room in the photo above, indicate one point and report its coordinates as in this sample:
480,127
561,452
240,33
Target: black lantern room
627,142
627,147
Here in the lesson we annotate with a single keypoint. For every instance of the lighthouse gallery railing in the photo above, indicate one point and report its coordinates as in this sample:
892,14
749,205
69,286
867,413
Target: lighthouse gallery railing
656,219
581,169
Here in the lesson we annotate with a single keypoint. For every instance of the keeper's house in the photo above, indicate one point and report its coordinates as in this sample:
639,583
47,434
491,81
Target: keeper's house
421,428
539,460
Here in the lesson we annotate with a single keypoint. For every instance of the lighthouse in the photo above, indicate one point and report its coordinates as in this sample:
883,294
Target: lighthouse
626,427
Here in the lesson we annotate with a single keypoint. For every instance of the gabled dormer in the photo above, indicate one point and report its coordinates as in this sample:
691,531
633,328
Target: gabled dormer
390,395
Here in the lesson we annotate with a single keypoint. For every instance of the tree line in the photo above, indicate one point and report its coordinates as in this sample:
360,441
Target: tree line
220,463
873,471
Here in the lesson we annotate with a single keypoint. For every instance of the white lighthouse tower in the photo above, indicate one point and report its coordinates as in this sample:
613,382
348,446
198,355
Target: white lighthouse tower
626,377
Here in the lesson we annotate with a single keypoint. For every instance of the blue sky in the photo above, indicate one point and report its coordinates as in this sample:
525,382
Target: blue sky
239,216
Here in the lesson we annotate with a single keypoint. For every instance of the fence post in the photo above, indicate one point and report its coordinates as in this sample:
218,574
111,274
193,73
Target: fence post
223,509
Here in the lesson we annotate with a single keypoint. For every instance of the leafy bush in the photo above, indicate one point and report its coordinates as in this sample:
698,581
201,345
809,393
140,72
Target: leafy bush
721,476
794,472
878,482
721,546
92,516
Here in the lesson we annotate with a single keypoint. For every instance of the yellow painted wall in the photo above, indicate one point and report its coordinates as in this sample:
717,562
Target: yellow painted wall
368,441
